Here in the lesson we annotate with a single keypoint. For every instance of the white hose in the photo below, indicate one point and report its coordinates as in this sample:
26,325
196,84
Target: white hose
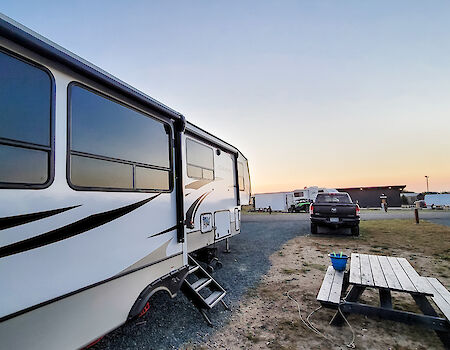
311,327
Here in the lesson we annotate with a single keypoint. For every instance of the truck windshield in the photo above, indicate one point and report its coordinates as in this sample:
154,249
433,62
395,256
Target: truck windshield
333,198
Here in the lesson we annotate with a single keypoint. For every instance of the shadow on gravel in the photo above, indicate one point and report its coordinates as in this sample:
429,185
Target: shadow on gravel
172,322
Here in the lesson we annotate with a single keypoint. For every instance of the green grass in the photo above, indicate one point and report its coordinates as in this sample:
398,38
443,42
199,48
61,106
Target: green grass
427,238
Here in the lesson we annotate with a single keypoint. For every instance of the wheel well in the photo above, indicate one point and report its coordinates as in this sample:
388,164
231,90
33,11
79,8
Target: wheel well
170,284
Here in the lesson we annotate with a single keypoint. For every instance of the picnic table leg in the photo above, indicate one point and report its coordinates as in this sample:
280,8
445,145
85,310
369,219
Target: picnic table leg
345,283
385,298
425,306
353,296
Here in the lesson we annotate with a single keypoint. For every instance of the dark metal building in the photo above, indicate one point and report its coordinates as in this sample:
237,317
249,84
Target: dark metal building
369,197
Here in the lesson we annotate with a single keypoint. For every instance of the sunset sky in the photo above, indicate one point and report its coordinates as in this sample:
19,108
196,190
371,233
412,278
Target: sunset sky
326,93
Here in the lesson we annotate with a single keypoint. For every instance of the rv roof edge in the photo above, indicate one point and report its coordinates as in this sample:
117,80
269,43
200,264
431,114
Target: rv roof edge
27,38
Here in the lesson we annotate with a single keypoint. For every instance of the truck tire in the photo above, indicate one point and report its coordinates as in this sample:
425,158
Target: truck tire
313,228
355,230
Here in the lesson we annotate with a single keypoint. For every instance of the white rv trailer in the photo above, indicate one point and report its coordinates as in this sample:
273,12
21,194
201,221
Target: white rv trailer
104,191
438,199
310,193
278,201
282,201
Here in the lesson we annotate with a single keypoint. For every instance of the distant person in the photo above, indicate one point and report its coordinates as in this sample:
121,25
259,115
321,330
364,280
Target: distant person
270,209
385,207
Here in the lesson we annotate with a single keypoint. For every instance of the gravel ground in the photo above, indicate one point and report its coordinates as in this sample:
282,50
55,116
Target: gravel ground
171,323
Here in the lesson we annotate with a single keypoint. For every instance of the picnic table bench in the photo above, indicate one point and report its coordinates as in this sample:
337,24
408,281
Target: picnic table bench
386,274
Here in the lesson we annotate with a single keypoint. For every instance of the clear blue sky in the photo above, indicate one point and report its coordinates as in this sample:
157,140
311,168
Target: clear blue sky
290,83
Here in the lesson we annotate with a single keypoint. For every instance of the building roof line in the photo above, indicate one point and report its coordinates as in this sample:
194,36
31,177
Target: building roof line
371,187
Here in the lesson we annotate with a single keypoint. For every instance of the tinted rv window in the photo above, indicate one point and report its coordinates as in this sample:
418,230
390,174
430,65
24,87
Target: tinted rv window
113,146
25,123
241,176
200,160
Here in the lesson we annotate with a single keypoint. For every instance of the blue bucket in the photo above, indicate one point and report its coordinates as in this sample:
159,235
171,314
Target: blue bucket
339,263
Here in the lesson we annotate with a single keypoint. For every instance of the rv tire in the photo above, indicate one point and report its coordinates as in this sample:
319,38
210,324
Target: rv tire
313,228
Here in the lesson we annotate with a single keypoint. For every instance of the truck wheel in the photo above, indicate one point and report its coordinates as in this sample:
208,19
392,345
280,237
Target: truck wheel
313,228
355,230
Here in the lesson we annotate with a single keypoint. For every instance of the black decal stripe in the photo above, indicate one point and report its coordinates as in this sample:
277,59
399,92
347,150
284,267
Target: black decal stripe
119,275
71,230
190,211
190,214
18,220
200,202
165,231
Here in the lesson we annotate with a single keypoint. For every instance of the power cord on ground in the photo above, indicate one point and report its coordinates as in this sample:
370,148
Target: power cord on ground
311,327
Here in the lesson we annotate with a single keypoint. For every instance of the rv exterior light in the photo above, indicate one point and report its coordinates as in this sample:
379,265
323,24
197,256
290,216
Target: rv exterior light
311,209
358,210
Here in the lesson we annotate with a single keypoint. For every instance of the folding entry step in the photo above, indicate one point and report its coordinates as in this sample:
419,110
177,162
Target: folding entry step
202,289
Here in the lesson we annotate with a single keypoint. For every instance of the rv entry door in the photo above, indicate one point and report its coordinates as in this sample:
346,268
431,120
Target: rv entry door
222,223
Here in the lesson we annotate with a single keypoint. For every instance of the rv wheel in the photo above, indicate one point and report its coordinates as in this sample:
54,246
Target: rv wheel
313,228
144,309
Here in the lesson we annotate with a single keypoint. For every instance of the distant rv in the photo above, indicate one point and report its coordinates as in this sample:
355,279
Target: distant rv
310,193
104,192
282,201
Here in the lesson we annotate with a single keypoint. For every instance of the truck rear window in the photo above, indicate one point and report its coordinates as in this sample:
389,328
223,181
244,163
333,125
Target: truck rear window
333,198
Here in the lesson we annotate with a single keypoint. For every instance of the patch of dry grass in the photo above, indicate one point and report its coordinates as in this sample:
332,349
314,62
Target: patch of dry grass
425,238
267,319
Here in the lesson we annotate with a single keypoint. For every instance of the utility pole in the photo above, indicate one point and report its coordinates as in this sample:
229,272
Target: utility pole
426,177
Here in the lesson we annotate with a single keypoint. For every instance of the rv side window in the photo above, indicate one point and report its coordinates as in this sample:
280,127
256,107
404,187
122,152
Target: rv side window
241,176
25,124
200,160
115,147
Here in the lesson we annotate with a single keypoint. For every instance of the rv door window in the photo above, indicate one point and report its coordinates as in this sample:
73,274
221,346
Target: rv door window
25,123
241,176
113,146
200,160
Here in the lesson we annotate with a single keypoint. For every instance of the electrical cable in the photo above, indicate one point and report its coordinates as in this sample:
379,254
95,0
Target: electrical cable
311,327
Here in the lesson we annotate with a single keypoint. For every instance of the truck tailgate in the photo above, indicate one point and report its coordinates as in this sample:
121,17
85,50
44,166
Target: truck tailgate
336,210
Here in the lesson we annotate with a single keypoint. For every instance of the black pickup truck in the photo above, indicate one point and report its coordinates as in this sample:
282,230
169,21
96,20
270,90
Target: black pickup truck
334,210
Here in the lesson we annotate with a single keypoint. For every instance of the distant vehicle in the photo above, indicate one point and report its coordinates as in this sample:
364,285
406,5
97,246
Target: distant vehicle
283,201
310,193
278,201
300,206
334,210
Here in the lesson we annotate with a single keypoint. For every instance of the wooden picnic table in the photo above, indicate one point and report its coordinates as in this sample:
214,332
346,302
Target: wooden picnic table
387,274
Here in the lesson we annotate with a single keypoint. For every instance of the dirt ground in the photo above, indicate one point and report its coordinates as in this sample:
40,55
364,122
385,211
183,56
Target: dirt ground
268,319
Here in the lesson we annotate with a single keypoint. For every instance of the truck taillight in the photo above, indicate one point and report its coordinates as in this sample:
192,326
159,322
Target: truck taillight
311,209
358,210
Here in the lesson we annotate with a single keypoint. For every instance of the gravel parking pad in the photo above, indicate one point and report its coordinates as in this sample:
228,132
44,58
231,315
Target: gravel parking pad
171,323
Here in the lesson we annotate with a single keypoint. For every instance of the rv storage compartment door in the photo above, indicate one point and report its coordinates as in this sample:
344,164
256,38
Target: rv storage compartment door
222,223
